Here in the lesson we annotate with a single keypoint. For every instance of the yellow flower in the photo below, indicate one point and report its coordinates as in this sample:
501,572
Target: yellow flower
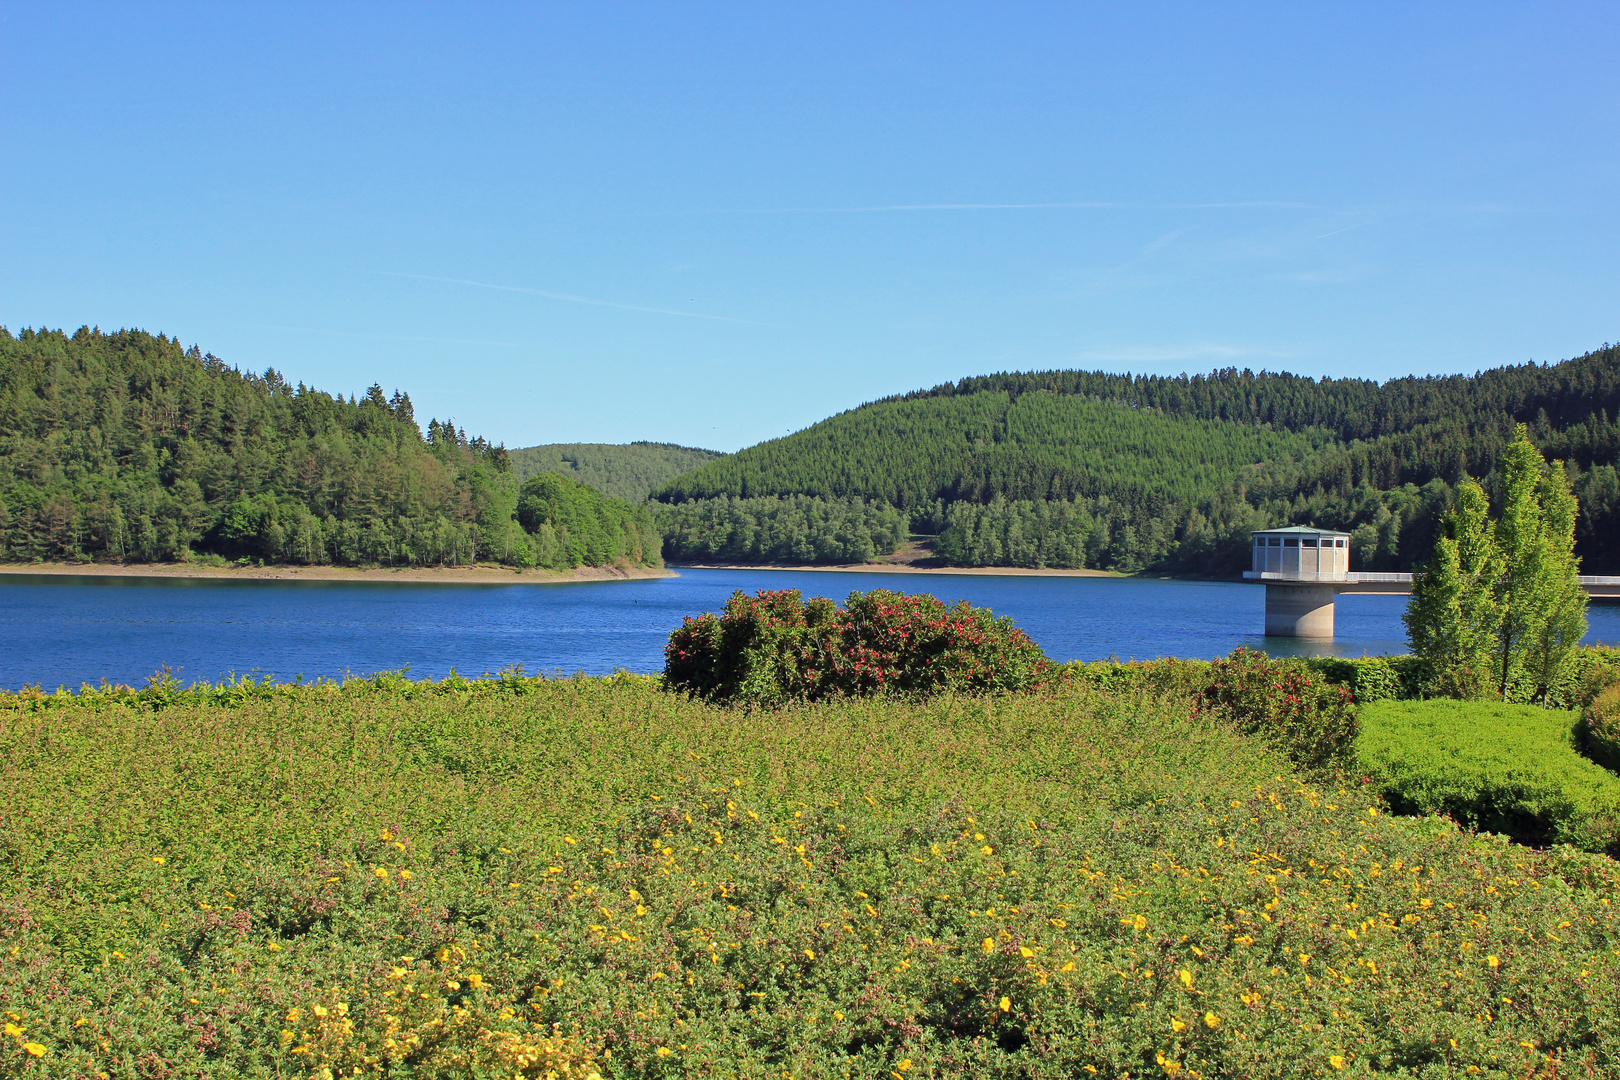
380,872
1171,1068
1177,1026
405,875
1026,952
1186,978
904,1065
1337,1061
1068,965
475,980
1494,961
14,1031
33,1049
837,1015
989,945
158,859
664,1051
808,955
1140,922
987,850
1006,1004
1211,1020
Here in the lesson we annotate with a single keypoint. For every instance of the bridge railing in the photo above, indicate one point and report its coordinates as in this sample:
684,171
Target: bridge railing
1372,577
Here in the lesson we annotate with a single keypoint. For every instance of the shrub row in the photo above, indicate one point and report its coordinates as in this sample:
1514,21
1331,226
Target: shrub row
1510,769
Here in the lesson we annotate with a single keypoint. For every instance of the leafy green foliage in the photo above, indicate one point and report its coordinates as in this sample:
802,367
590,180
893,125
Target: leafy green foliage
629,471
1511,769
1499,604
125,447
1085,468
775,647
1310,719
685,890
569,524
798,528
1600,727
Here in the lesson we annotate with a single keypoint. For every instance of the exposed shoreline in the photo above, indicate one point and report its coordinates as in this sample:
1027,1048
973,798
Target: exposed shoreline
903,568
416,575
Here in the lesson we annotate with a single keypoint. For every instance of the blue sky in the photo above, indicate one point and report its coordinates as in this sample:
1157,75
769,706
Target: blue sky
715,224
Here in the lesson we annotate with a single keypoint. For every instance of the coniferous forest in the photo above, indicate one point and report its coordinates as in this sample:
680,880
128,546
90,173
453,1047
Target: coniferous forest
1088,469
629,472
124,446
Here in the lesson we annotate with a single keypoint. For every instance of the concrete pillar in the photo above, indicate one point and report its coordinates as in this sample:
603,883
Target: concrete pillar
1304,611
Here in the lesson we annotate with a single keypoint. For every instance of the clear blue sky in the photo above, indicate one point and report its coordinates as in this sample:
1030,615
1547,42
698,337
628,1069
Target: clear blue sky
714,224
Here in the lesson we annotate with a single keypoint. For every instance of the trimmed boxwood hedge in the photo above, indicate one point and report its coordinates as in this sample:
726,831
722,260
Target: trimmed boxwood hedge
1511,769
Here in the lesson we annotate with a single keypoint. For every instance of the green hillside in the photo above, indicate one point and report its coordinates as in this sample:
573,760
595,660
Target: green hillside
1090,469
629,472
127,447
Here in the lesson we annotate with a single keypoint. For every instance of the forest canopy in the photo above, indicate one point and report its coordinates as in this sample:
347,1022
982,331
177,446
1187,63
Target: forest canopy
629,471
126,446
1072,468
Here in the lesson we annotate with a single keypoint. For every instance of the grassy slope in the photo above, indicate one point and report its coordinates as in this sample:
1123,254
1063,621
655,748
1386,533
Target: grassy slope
629,472
982,888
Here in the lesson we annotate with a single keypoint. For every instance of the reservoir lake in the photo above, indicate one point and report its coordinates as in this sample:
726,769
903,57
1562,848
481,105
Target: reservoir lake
64,631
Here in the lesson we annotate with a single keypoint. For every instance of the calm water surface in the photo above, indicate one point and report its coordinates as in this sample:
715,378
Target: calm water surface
69,630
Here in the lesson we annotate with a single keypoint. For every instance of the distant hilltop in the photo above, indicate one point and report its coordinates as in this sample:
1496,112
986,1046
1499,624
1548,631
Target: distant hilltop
1129,472
625,471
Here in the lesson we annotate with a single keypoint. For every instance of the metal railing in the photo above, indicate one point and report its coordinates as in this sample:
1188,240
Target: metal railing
1357,577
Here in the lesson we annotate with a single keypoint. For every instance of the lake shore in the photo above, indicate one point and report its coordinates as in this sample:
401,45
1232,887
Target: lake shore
902,568
415,575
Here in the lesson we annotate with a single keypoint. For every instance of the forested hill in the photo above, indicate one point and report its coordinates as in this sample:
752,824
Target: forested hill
1086,468
625,471
125,446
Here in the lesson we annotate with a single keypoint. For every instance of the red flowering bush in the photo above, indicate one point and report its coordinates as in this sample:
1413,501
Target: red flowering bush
1310,719
773,647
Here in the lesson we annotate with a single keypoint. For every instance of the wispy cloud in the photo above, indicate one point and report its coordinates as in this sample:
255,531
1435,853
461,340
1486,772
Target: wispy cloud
901,207
566,297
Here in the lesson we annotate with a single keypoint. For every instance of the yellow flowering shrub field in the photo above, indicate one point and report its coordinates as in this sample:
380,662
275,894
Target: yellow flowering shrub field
594,877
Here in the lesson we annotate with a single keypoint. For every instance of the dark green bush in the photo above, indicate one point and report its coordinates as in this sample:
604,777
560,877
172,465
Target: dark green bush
1600,727
773,647
1510,769
1373,678
1308,718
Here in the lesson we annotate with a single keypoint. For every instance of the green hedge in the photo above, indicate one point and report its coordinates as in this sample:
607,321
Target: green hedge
1510,769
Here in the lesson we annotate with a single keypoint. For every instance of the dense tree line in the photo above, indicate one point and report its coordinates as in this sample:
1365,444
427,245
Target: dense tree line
1132,472
797,528
630,471
125,446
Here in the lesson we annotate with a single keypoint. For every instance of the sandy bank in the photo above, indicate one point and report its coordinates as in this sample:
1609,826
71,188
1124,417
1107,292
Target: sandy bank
904,568
440,575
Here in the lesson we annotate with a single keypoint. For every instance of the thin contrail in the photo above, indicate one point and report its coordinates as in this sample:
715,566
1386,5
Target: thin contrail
1014,206
565,296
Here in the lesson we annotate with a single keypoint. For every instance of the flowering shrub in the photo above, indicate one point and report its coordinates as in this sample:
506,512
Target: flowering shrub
561,878
773,647
1600,727
1309,719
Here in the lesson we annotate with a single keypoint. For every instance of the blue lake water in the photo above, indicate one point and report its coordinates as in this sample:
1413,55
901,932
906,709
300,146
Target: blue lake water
70,630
